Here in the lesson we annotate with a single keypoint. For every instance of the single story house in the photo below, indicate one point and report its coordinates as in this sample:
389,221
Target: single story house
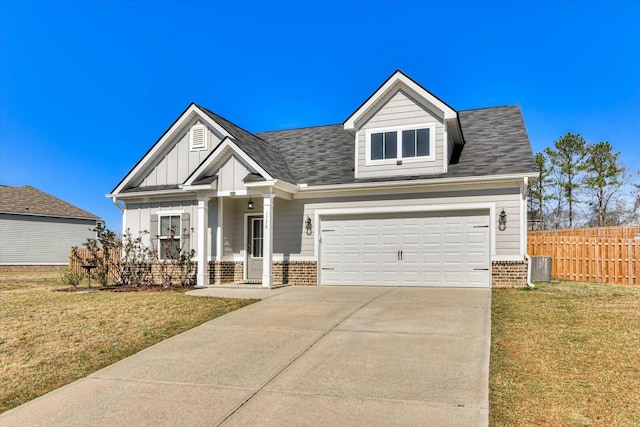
407,191
37,228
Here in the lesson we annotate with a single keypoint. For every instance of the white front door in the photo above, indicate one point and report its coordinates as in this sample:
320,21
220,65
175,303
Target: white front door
429,249
254,247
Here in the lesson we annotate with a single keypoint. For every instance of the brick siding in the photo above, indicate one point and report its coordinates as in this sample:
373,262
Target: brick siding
508,274
295,273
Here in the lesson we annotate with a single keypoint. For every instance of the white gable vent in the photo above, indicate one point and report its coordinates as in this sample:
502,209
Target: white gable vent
198,137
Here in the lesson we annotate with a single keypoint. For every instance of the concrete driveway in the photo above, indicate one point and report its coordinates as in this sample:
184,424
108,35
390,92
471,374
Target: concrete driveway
302,356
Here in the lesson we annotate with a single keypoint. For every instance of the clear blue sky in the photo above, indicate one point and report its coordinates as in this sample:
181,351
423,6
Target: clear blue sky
86,87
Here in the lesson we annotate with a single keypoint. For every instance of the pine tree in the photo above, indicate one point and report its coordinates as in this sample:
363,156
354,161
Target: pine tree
567,162
603,178
538,190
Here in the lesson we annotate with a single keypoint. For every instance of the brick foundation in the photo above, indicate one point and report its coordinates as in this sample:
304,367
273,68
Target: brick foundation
286,272
508,274
225,272
295,273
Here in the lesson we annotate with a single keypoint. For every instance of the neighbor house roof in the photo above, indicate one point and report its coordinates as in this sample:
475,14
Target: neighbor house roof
496,143
27,200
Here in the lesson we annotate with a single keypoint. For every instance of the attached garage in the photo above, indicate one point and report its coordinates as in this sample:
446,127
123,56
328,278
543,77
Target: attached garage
410,249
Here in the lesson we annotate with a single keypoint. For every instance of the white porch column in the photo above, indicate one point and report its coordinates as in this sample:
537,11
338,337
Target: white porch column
219,237
202,228
267,240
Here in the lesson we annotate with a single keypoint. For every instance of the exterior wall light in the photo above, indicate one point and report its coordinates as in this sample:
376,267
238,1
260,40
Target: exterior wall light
502,221
307,226
250,204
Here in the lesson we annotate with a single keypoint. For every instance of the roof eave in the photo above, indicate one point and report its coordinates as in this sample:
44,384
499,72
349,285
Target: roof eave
428,182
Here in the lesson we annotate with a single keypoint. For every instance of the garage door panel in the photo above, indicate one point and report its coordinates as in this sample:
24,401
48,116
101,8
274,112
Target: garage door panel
436,250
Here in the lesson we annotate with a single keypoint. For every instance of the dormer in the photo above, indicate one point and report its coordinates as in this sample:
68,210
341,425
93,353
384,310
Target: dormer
403,130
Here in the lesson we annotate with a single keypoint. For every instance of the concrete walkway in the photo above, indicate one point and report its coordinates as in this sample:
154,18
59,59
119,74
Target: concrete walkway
301,356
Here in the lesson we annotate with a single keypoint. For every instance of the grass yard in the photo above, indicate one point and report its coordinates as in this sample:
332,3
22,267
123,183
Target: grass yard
565,354
48,338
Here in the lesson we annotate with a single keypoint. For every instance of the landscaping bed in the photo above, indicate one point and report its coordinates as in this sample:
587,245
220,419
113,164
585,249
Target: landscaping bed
565,354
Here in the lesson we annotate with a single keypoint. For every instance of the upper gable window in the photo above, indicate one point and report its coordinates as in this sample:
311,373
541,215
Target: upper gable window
413,143
198,137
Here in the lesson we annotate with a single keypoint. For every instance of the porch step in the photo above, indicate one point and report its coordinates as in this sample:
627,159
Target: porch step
244,285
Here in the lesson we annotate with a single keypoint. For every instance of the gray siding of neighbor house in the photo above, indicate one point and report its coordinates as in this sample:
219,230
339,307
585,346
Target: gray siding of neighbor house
175,166
400,110
40,240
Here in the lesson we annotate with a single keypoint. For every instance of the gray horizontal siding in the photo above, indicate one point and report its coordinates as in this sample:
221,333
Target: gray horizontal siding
290,238
28,240
290,215
401,110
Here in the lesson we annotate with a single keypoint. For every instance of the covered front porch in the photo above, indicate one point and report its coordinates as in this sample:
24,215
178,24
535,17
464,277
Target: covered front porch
235,236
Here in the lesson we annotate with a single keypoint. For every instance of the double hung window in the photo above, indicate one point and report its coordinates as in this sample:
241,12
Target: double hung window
169,236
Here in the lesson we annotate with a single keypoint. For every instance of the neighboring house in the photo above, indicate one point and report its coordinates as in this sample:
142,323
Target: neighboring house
39,229
407,191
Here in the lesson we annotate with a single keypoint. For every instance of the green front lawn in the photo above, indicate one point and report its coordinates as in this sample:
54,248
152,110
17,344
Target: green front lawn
48,338
565,354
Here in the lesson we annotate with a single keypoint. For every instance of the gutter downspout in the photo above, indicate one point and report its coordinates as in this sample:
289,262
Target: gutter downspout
115,202
526,255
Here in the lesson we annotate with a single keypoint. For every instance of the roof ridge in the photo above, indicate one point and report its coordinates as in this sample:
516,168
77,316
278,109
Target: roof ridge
301,128
490,108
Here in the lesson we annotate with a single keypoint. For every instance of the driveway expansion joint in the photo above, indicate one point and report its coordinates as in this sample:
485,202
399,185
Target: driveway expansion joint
295,358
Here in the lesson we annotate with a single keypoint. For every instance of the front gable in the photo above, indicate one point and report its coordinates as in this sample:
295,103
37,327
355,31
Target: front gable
181,157
402,130
179,152
402,119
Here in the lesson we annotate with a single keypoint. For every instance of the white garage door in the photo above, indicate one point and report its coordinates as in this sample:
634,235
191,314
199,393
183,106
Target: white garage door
415,249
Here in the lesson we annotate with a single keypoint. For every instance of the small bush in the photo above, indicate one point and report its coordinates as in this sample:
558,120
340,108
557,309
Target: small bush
71,278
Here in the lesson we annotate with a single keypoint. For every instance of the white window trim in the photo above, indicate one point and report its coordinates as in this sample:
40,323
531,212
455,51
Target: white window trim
160,236
205,137
398,129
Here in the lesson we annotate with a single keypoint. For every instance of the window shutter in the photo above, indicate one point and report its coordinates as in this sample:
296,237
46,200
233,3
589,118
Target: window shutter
153,228
198,137
186,223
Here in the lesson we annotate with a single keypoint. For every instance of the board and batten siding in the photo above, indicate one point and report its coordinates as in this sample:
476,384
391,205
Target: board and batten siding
39,240
400,110
231,175
175,166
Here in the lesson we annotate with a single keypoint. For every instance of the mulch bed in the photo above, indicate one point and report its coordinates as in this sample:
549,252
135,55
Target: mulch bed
122,288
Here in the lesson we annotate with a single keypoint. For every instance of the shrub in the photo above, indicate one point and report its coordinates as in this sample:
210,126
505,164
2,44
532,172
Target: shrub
71,278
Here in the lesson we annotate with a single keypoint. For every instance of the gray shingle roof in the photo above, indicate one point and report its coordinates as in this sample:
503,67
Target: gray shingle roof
269,156
316,155
496,143
27,200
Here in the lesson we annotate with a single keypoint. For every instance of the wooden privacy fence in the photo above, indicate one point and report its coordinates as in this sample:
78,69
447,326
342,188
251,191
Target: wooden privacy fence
589,258
627,231
83,257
